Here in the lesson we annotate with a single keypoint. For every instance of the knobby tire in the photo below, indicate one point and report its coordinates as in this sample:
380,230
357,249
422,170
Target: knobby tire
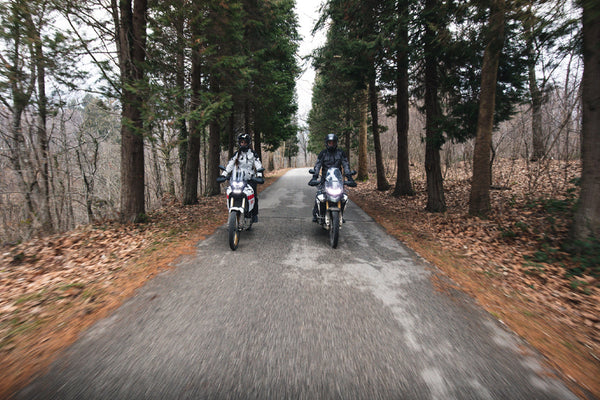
334,230
233,224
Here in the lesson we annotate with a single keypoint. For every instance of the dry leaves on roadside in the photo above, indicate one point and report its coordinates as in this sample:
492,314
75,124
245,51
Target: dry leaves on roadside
506,248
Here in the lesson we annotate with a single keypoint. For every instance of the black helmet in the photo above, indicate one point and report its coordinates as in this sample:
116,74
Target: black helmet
246,138
332,137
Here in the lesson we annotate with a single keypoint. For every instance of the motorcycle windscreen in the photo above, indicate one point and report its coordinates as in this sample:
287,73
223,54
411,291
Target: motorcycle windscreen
334,182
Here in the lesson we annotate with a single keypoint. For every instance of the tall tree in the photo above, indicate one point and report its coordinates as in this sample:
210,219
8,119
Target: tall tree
370,30
168,65
586,223
479,203
223,33
535,92
192,163
42,106
338,77
353,52
403,184
274,43
434,138
130,21
382,183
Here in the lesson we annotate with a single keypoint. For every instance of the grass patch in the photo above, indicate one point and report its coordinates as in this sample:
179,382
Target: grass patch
76,285
37,296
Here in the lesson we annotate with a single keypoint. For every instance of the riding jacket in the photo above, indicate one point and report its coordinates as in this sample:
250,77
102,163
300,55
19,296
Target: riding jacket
244,164
331,158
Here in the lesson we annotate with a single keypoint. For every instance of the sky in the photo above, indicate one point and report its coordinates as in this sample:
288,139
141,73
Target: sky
308,14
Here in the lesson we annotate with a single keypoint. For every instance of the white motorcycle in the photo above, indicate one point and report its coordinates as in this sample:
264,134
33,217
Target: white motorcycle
240,203
331,200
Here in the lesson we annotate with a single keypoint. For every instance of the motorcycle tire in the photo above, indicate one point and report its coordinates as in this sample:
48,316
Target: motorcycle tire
334,229
233,224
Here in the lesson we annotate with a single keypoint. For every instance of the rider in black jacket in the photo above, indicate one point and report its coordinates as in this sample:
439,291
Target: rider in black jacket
330,157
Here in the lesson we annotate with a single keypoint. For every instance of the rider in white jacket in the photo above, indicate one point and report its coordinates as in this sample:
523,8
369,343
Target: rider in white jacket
245,164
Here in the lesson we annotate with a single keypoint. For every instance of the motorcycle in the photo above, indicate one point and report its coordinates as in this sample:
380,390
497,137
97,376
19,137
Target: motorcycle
240,204
331,201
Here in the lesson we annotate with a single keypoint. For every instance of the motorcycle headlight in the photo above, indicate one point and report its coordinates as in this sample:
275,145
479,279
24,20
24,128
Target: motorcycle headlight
334,192
237,187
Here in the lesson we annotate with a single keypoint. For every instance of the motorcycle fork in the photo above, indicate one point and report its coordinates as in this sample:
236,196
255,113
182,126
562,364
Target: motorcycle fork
232,203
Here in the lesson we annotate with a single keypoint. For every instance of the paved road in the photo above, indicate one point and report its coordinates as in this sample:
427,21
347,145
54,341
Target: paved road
287,317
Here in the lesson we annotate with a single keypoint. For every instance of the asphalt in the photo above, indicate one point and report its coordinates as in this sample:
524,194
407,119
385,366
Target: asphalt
287,317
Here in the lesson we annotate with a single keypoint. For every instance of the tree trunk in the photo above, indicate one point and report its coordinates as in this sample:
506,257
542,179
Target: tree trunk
231,131
363,162
270,161
538,150
46,217
131,59
192,164
403,184
382,183
159,192
180,82
479,203
586,222
214,159
16,156
537,134
433,135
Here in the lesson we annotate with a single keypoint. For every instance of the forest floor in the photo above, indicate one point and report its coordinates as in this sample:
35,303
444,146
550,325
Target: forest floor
52,289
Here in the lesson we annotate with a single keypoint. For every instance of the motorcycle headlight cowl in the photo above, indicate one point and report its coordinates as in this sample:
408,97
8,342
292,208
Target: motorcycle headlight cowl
237,187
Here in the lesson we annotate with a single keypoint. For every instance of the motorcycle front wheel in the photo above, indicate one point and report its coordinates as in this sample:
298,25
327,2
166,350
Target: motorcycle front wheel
334,229
233,226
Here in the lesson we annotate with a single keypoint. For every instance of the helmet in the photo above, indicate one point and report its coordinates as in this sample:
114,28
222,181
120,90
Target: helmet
245,137
332,137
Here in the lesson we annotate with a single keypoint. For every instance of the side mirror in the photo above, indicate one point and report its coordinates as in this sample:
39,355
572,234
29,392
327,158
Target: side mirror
221,179
259,180
260,170
222,168
313,182
350,183
311,171
351,173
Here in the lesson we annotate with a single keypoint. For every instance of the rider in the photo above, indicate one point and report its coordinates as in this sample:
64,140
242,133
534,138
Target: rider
245,161
330,157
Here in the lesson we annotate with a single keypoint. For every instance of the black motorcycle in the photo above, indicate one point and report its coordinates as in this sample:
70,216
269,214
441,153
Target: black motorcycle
240,203
331,200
